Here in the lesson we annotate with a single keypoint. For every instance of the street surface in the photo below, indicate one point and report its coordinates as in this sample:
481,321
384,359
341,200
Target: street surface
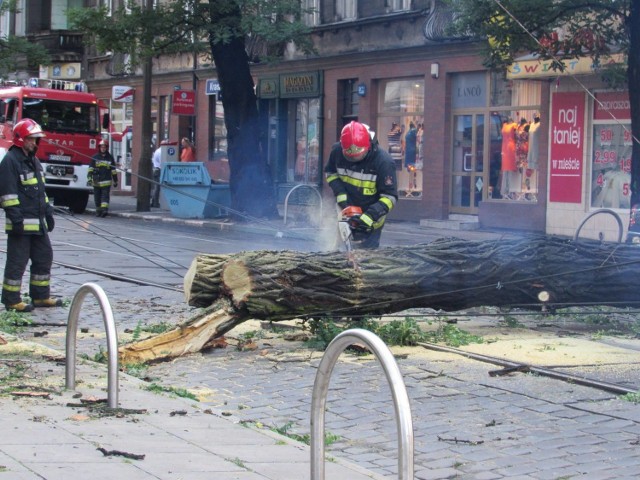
467,424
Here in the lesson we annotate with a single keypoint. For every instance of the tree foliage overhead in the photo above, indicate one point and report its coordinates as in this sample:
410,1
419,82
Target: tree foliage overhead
18,52
558,30
236,33
551,29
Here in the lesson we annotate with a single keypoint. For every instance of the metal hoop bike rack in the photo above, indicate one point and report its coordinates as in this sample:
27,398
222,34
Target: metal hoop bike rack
596,212
112,340
301,185
398,390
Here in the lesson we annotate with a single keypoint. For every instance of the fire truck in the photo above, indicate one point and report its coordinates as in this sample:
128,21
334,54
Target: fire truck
71,119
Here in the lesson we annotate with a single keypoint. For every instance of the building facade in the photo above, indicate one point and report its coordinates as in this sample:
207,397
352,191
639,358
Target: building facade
465,140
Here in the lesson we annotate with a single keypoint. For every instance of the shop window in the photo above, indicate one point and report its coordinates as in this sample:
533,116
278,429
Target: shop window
400,131
514,155
219,166
611,152
513,138
306,167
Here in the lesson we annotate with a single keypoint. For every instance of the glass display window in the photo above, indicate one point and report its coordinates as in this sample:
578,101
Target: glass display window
611,151
400,131
306,144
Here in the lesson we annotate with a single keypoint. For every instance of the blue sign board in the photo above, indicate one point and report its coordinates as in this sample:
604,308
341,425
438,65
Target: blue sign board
213,87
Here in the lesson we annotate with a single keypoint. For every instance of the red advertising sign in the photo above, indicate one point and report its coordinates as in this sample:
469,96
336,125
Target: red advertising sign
567,147
612,106
184,102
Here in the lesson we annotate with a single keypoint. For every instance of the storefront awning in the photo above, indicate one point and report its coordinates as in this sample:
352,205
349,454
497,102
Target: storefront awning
530,67
117,136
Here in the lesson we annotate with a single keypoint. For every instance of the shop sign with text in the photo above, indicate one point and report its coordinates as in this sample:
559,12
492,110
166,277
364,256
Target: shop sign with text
566,147
184,102
299,85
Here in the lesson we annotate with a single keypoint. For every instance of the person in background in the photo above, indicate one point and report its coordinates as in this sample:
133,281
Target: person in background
102,175
188,153
361,174
156,162
29,218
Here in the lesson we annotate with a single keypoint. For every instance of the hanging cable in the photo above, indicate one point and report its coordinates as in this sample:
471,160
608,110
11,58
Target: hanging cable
111,238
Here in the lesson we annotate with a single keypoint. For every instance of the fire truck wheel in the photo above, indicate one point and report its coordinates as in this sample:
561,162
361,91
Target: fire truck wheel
78,203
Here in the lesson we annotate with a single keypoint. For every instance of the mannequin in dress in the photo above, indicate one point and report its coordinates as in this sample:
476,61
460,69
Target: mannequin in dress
509,129
532,155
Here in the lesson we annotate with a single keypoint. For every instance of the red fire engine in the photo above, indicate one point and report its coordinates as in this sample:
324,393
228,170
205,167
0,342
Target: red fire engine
70,118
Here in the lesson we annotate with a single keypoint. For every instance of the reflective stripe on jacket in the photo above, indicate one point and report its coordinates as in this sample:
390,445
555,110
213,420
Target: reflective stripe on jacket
22,192
102,170
369,184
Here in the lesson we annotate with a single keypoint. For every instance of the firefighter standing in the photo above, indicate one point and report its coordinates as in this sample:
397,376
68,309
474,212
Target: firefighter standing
361,174
102,174
29,218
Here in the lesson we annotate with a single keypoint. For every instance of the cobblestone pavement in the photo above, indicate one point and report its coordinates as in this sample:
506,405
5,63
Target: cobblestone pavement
467,424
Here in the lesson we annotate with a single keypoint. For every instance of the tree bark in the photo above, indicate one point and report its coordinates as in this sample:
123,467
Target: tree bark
250,180
448,274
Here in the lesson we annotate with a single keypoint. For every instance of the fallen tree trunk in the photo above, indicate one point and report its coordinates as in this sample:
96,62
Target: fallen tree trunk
448,274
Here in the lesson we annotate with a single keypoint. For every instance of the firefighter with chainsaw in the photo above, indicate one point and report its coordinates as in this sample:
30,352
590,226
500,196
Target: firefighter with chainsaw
102,175
363,178
29,218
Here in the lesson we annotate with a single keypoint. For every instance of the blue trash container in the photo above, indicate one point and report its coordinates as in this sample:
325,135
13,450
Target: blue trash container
190,193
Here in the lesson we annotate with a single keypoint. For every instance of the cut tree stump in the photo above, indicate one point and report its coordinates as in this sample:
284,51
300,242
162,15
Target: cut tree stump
448,274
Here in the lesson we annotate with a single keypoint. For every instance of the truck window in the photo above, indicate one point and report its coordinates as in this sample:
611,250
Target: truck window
8,110
57,116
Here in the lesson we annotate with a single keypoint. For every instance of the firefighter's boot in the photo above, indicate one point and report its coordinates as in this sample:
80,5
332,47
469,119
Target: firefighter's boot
20,307
47,302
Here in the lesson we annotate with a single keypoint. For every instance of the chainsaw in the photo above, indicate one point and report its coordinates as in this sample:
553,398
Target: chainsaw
344,229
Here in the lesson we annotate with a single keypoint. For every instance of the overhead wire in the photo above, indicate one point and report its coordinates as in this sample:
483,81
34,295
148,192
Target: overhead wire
96,230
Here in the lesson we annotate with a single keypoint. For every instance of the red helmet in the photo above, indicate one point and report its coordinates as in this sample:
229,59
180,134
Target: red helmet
26,128
355,141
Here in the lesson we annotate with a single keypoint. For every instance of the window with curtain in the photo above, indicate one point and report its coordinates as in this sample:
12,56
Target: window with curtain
346,9
311,16
397,5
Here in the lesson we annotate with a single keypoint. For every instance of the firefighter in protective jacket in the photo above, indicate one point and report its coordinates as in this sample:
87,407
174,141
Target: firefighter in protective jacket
29,218
361,174
102,174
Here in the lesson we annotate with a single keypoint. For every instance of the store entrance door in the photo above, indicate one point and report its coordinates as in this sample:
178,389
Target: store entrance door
467,169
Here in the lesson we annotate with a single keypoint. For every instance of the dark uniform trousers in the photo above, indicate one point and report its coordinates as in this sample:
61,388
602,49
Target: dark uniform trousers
101,196
21,248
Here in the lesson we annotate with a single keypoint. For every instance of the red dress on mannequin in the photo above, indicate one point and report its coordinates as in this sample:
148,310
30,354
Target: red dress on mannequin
509,146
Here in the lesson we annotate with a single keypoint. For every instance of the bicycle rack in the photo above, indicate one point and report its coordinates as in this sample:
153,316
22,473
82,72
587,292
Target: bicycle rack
398,390
596,212
286,199
112,340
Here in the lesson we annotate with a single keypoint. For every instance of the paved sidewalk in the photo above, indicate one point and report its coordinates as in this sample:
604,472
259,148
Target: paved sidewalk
57,438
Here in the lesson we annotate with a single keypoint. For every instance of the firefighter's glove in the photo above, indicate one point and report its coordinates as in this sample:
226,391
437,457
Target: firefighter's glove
17,228
115,184
361,223
90,182
51,223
